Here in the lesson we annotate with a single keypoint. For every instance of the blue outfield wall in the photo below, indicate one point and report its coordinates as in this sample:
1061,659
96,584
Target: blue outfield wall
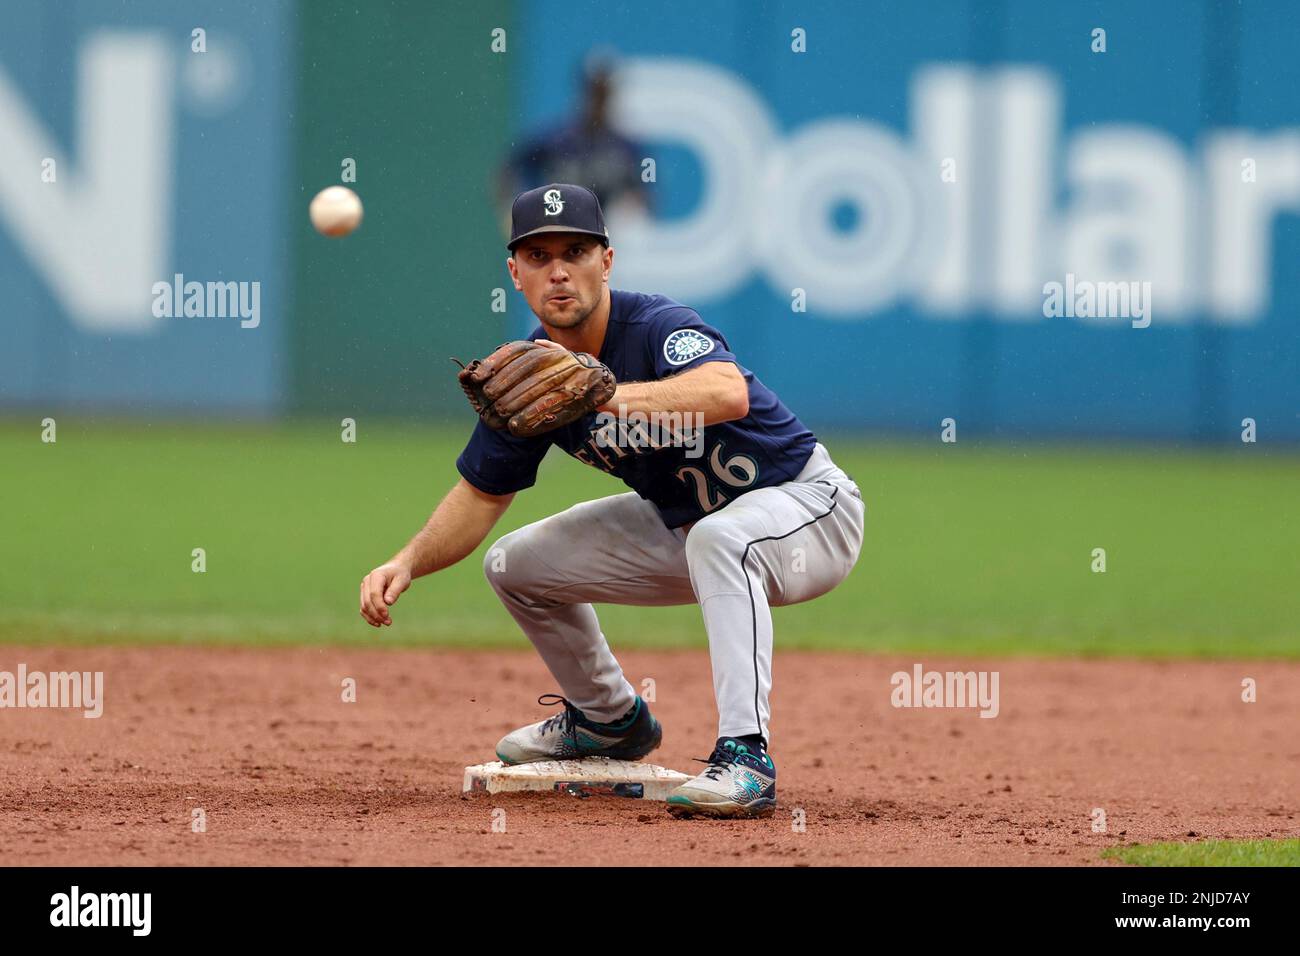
167,161
924,169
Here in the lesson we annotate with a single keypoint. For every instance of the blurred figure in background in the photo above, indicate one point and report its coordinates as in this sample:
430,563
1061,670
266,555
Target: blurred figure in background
587,151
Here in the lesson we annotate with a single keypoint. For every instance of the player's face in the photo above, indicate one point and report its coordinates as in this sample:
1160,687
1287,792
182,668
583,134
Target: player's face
562,275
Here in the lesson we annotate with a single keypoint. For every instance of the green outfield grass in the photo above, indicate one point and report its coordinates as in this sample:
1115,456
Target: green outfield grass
1210,853
971,548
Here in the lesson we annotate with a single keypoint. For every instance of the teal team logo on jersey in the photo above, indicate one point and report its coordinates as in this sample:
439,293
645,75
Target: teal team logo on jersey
686,344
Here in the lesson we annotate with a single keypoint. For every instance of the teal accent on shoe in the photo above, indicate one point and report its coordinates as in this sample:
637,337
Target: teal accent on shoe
589,743
620,725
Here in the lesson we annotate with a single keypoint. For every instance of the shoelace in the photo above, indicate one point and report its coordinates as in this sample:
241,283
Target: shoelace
566,720
718,761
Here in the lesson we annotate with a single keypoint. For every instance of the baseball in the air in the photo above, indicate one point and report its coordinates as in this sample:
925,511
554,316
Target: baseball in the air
336,211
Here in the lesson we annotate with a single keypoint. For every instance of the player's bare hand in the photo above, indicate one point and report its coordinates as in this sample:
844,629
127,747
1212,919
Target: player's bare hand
380,589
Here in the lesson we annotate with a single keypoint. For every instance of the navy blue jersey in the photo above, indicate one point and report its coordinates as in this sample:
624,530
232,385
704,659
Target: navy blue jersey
651,337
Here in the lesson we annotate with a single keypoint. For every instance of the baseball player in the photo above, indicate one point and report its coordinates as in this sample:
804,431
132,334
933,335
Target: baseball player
735,505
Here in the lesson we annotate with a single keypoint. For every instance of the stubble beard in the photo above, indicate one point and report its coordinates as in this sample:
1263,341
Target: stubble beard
568,322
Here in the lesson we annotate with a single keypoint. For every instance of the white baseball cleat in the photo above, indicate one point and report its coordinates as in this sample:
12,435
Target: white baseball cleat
740,781
570,735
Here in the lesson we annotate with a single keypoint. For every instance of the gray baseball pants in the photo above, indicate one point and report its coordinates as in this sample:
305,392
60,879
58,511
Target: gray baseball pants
769,547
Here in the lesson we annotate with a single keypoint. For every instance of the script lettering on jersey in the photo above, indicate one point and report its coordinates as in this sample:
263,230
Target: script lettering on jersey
614,437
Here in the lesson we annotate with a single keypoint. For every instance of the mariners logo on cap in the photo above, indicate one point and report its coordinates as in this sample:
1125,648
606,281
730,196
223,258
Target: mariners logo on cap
554,204
686,344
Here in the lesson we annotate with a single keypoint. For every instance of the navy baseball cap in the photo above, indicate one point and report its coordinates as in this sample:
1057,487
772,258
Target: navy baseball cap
558,207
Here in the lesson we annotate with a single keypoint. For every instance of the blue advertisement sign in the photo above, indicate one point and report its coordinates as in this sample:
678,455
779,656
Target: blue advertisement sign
1040,220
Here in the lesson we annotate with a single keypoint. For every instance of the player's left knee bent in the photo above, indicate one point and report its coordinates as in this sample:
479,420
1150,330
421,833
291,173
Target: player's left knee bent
714,551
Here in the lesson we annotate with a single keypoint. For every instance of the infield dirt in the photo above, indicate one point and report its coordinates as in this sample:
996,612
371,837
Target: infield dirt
286,772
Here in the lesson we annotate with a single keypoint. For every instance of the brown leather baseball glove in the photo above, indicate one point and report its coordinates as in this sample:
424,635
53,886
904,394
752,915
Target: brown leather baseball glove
531,388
